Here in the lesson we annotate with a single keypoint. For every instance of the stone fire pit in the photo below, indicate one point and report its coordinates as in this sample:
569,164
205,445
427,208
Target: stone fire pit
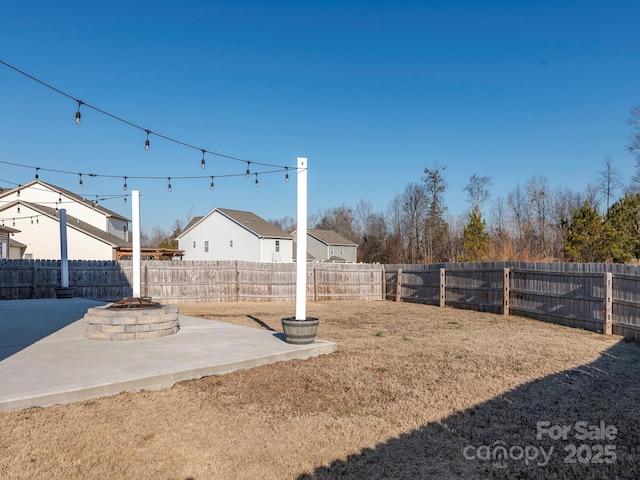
131,319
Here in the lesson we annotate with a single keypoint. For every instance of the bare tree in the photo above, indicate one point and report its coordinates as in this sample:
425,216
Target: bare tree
339,220
286,224
435,226
413,205
478,191
609,179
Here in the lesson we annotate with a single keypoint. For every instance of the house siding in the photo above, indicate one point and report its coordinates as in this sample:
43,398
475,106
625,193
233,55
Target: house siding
42,238
220,231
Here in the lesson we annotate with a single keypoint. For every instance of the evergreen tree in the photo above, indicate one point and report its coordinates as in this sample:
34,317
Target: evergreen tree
475,237
622,229
584,241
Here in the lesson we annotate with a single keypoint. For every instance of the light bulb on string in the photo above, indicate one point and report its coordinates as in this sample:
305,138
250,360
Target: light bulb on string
286,177
169,185
257,182
18,194
124,187
203,163
146,143
37,168
80,184
125,199
31,220
14,222
18,208
37,220
78,114
248,172
212,186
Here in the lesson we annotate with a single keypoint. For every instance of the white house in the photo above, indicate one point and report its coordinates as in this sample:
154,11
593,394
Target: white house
93,232
224,234
6,242
328,246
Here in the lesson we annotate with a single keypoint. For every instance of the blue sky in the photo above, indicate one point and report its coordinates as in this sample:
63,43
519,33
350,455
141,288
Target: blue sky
370,92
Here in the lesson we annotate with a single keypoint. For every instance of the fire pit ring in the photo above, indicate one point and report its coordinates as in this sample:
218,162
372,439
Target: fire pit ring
131,318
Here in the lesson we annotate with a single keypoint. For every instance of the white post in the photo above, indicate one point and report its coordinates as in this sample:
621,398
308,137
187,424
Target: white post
64,258
301,247
135,233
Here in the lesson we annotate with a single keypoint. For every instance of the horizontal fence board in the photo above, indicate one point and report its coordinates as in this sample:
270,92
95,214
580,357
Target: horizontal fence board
570,294
192,281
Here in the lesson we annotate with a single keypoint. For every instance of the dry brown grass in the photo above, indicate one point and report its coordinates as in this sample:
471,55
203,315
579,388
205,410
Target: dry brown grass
410,386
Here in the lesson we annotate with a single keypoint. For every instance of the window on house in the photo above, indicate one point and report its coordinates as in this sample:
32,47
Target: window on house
277,245
194,244
331,250
231,243
206,246
341,250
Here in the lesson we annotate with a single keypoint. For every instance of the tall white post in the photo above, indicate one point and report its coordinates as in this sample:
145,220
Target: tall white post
64,258
135,233
301,247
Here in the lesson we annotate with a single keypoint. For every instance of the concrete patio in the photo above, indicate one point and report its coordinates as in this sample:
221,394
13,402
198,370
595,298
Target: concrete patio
45,358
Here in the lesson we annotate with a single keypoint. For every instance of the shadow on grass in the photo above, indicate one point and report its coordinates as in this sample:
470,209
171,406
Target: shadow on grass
505,437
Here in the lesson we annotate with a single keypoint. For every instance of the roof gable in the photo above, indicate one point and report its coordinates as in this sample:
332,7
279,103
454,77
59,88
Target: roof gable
69,194
329,237
75,223
248,220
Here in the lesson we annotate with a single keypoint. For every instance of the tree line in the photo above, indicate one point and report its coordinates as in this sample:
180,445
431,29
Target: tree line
533,222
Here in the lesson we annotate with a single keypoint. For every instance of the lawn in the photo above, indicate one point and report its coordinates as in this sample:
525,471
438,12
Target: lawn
413,391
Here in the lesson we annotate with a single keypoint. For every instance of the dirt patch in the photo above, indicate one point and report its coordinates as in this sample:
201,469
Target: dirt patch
413,391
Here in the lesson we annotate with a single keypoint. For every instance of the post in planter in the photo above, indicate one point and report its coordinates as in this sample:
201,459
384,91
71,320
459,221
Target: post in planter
64,290
301,330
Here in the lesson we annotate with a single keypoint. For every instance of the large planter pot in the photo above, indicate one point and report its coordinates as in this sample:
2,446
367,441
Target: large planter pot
300,332
65,292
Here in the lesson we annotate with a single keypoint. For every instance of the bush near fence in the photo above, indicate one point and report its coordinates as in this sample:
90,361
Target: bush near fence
571,294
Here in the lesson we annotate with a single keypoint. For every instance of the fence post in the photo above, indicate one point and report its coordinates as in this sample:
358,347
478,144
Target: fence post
442,287
505,292
399,286
608,301
384,284
237,282
315,284
34,281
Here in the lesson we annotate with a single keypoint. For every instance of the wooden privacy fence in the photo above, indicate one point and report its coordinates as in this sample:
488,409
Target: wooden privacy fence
192,281
598,297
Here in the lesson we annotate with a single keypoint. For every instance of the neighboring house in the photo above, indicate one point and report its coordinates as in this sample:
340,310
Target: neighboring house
224,234
328,246
6,242
93,232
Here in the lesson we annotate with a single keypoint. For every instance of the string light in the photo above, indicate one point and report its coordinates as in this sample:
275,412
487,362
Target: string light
212,185
257,183
18,194
169,186
124,187
248,172
131,124
37,168
78,114
14,222
18,208
80,184
286,177
31,220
